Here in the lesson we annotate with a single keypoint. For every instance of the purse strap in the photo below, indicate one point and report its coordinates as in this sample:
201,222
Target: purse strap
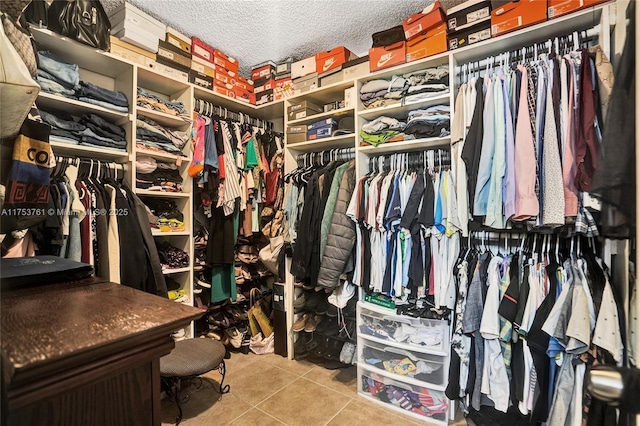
254,295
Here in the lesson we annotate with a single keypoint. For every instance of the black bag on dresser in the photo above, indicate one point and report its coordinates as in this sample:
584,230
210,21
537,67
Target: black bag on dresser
83,20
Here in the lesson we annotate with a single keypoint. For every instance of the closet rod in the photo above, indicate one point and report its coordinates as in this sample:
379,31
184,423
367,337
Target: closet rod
486,62
209,109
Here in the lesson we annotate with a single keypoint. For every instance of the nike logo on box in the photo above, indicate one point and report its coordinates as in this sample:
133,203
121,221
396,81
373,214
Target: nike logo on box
384,59
328,64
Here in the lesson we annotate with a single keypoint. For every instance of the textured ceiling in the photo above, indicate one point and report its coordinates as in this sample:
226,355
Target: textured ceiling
253,31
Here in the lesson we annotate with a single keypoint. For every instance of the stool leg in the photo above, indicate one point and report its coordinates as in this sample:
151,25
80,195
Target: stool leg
173,393
222,369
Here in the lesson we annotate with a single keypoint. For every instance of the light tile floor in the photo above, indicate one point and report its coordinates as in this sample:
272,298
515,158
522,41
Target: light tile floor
272,390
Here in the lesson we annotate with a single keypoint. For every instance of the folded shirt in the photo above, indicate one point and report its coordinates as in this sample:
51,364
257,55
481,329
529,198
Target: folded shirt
432,75
395,84
61,120
383,123
176,137
64,73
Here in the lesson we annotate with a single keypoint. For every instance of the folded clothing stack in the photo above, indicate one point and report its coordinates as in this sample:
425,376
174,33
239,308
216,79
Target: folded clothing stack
432,122
148,100
378,93
380,130
90,130
427,83
151,135
171,257
164,215
157,176
63,79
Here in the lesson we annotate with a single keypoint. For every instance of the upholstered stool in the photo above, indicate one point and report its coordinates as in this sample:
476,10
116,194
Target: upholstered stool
188,360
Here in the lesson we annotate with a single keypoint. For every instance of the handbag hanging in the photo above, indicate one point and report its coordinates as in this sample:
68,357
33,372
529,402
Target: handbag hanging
23,42
18,90
82,20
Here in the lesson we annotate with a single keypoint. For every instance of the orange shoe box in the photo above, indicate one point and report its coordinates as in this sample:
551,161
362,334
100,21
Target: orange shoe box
562,7
387,56
225,76
508,16
244,84
224,61
431,42
242,95
417,24
333,58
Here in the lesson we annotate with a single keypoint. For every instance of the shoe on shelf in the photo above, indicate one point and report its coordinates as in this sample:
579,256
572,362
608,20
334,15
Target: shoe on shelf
322,348
325,324
298,284
202,281
313,342
301,323
176,294
179,334
235,337
312,323
333,350
300,347
299,303
323,305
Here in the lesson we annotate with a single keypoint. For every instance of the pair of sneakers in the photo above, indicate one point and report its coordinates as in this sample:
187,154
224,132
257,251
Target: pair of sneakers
308,322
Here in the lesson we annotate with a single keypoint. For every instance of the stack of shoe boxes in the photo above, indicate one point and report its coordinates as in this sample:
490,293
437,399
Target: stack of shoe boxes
175,52
304,75
244,90
226,73
511,15
426,33
329,64
389,48
264,81
284,86
469,23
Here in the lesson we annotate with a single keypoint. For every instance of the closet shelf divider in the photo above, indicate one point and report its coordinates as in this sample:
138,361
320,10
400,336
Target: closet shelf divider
66,149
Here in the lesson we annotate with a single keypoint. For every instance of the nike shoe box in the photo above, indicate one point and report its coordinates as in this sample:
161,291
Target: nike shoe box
129,52
244,84
264,97
387,56
296,134
470,35
268,85
284,68
263,72
303,68
242,95
202,50
227,86
562,7
511,15
224,91
175,55
306,83
224,76
355,68
468,14
227,62
302,110
429,43
326,61
179,40
417,24
202,66
136,27
321,129
201,80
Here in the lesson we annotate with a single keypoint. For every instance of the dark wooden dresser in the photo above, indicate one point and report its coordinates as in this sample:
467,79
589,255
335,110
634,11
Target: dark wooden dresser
85,353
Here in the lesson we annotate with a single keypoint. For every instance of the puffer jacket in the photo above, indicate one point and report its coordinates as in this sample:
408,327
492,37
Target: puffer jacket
342,234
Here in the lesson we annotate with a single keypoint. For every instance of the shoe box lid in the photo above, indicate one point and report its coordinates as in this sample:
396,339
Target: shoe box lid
416,24
467,14
128,16
334,58
508,15
431,42
139,38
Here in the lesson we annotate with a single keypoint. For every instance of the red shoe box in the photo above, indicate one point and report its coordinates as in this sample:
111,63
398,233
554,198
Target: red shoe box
333,58
244,83
387,56
265,70
431,42
224,61
242,95
508,15
420,22
225,76
201,49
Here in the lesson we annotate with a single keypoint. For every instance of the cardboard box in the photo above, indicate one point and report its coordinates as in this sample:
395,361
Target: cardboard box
303,68
130,17
242,95
264,97
306,83
201,49
296,134
387,56
167,62
333,76
141,39
467,14
202,66
431,42
508,16
355,68
302,105
323,123
224,61
265,70
268,85
350,97
171,72
470,35
388,37
225,76
417,24
178,40
201,80
326,61
173,54
244,84
284,68
223,91
282,82
218,83
322,129
284,89
115,41
131,55
562,7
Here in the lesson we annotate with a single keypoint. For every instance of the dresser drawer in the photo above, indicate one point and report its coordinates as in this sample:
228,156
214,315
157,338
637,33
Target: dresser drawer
403,363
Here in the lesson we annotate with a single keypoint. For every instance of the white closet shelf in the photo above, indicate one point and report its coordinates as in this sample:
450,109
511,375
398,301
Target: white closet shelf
405,379
316,117
400,111
84,56
175,271
49,101
150,79
563,25
157,233
324,94
61,148
344,141
162,118
266,112
163,155
147,192
402,146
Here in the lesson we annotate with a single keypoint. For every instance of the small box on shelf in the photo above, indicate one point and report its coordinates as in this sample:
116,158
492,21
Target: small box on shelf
387,56
429,43
202,66
511,15
179,40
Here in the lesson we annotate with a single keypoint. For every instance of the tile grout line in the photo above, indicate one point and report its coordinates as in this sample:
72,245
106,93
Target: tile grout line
325,386
236,418
261,401
275,418
339,411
